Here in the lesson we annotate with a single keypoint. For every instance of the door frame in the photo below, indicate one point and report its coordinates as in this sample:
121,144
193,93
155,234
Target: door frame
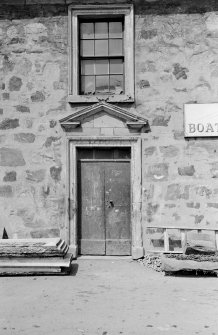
135,144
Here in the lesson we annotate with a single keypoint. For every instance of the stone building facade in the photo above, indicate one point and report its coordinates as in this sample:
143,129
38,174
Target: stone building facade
175,62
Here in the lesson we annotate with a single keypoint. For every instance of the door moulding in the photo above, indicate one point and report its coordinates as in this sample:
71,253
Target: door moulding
134,142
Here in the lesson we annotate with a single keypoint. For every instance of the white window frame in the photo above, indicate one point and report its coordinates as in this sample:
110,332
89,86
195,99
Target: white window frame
79,11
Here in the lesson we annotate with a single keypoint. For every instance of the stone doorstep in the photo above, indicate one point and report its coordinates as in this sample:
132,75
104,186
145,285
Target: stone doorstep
35,265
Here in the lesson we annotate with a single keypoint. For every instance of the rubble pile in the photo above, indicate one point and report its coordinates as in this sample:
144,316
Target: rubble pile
151,261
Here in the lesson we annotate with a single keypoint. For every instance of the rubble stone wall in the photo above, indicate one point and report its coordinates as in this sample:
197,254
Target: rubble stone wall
33,95
176,62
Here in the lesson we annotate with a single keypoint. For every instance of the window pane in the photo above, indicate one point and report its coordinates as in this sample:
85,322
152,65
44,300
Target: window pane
87,48
87,30
85,153
102,66
116,84
102,84
87,84
116,66
120,153
115,30
101,48
115,47
87,67
101,30
103,153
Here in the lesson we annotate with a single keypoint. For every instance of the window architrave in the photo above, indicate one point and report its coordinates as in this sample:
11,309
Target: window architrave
95,11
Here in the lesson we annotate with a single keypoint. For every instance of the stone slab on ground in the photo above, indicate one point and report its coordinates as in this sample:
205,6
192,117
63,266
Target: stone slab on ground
14,266
173,265
43,247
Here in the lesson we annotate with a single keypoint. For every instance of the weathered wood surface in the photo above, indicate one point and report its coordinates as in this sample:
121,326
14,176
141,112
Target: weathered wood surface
91,232
117,208
51,247
175,265
199,243
104,208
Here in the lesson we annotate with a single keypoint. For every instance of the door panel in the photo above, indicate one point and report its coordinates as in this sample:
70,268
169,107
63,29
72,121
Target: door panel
91,232
104,203
117,208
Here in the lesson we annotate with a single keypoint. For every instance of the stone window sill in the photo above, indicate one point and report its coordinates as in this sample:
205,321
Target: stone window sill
98,98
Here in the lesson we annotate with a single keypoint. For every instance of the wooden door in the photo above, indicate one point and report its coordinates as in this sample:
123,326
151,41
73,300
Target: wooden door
104,207
117,208
91,232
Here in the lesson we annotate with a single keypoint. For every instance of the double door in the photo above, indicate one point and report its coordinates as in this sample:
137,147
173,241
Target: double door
104,207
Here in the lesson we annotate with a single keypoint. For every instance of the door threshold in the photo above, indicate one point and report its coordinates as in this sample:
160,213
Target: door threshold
115,258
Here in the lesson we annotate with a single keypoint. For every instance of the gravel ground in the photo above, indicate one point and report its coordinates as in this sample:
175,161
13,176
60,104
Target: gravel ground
109,297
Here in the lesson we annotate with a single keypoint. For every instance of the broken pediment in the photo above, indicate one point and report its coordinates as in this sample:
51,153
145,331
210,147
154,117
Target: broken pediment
103,115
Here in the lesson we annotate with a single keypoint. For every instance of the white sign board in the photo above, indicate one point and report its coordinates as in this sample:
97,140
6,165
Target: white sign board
201,120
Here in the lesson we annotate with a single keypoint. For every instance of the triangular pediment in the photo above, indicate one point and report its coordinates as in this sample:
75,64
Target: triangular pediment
104,113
